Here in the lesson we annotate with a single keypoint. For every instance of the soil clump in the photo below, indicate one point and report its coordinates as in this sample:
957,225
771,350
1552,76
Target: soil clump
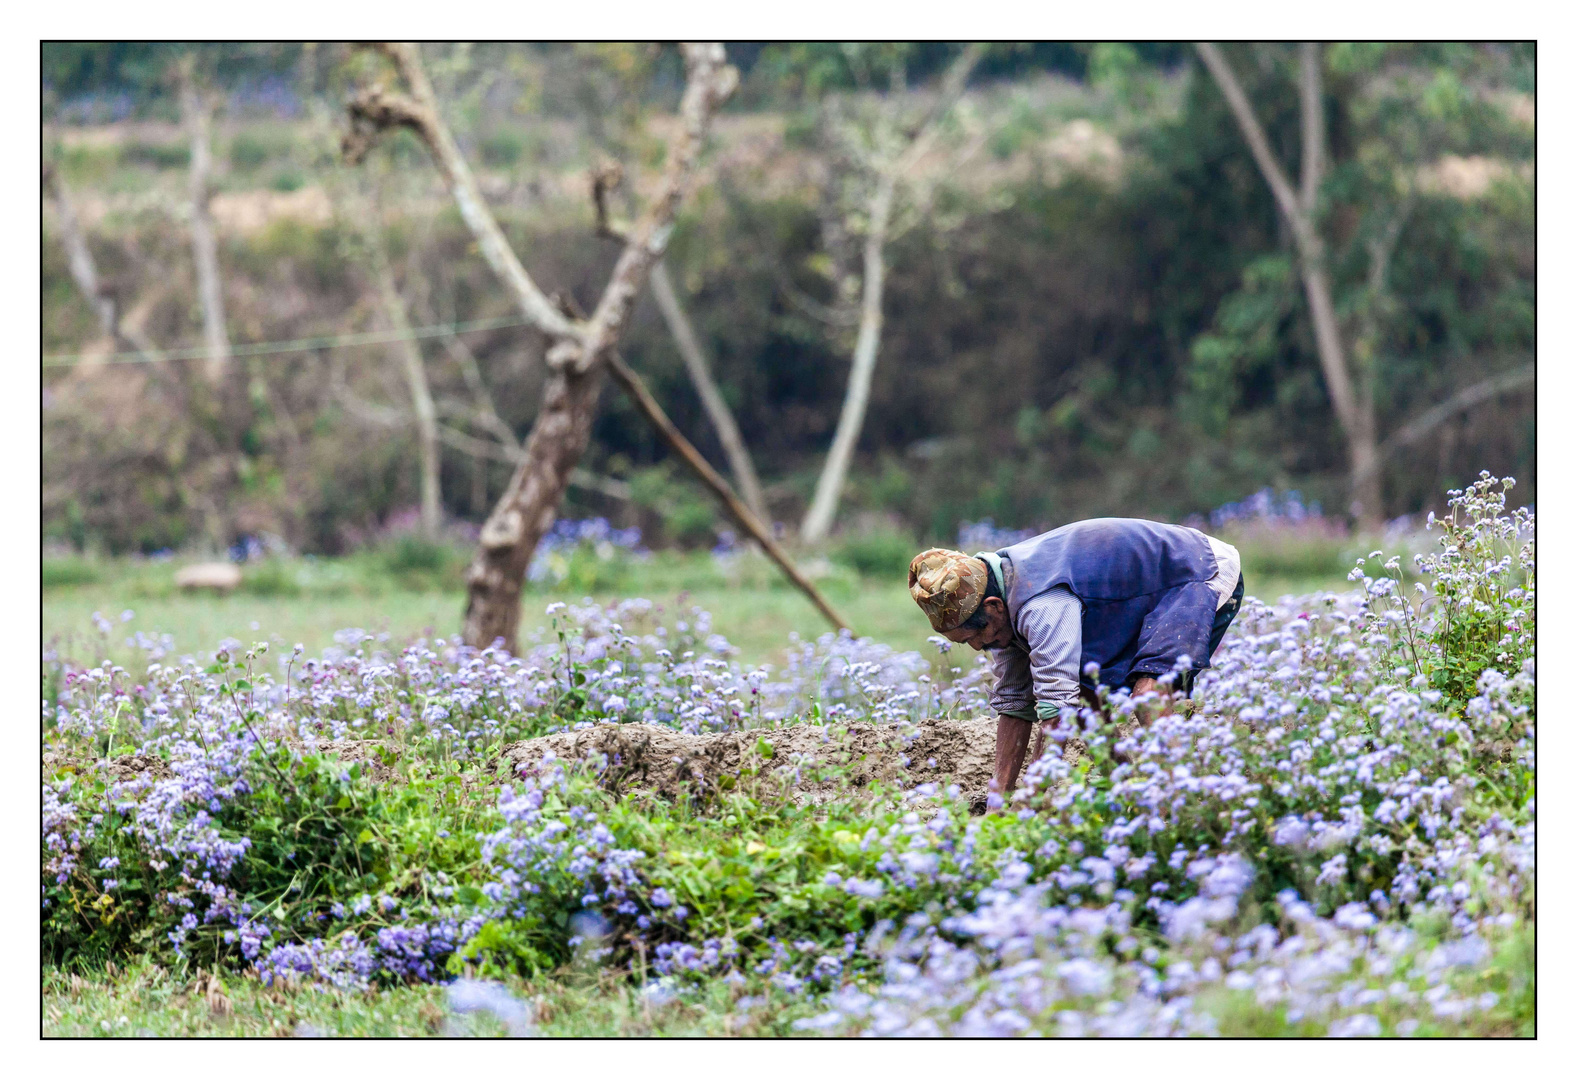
811,762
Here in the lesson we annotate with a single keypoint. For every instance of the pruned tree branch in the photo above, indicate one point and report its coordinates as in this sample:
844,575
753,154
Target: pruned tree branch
637,391
1464,399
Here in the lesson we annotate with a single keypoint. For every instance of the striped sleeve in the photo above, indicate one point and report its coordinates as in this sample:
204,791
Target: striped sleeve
1013,694
1051,626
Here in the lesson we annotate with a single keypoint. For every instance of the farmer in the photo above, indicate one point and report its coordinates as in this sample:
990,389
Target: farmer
1135,598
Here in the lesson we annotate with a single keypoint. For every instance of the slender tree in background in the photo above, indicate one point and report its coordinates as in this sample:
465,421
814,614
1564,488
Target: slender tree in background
580,349
1399,127
1353,406
197,118
883,153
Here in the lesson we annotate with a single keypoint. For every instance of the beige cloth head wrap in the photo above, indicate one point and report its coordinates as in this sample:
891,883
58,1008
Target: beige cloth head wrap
948,586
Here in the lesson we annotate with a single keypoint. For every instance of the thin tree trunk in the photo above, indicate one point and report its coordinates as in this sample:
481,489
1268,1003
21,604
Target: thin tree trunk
834,473
829,487
717,409
1354,409
79,260
205,248
528,506
416,378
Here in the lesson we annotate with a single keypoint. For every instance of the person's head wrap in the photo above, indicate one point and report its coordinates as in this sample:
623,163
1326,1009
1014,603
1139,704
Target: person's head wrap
948,585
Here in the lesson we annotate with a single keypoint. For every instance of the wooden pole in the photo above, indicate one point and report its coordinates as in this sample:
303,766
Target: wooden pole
636,388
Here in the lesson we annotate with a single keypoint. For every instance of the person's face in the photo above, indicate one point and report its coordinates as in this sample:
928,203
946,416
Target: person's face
996,634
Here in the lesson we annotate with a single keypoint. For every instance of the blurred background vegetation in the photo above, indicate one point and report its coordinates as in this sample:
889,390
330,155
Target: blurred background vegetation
1098,313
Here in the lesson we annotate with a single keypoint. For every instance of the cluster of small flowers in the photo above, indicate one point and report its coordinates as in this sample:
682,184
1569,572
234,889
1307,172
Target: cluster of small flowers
1265,506
550,561
415,951
566,850
448,699
1321,742
1030,967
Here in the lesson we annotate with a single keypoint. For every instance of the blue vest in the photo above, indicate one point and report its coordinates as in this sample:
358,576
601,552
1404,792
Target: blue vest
1142,585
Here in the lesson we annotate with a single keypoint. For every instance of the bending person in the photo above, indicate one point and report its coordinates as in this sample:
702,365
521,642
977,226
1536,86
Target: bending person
1137,599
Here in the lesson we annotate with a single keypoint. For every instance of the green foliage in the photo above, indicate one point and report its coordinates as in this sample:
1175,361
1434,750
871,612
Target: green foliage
171,155
877,553
248,151
271,577
504,148
57,572
414,562
1286,552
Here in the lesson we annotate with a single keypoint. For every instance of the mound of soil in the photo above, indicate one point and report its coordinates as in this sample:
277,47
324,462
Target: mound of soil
116,769
673,765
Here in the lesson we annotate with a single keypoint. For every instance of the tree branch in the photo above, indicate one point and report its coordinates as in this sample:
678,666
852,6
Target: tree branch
1464,399
710,80
486,412
952,89
195,112
376,110
1309,94
1253,134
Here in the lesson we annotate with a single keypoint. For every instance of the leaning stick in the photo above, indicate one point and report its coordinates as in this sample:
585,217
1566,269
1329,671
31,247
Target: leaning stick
636,388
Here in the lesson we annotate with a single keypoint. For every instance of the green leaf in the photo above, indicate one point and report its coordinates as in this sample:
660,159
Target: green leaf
242,684
364,837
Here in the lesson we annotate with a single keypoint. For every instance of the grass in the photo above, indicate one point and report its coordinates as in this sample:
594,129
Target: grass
147,1000
308,600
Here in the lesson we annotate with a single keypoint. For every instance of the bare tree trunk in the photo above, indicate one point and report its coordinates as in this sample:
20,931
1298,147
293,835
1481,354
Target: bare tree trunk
1354,409
79,260
416,378
879,215
528,506
717,409
205,248
829,487
581,348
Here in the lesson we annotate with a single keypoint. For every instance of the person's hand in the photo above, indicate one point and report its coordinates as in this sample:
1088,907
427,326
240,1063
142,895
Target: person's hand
1144,685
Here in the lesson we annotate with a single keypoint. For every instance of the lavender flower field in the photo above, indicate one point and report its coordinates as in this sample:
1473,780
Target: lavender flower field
1334,838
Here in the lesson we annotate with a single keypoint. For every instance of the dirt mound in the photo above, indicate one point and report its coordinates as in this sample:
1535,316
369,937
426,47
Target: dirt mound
672,764
116,770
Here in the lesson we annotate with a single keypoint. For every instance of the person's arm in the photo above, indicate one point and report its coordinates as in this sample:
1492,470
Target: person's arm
1050,625
1013,700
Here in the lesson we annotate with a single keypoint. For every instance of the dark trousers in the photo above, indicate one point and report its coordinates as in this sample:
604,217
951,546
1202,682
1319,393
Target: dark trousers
1218,630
